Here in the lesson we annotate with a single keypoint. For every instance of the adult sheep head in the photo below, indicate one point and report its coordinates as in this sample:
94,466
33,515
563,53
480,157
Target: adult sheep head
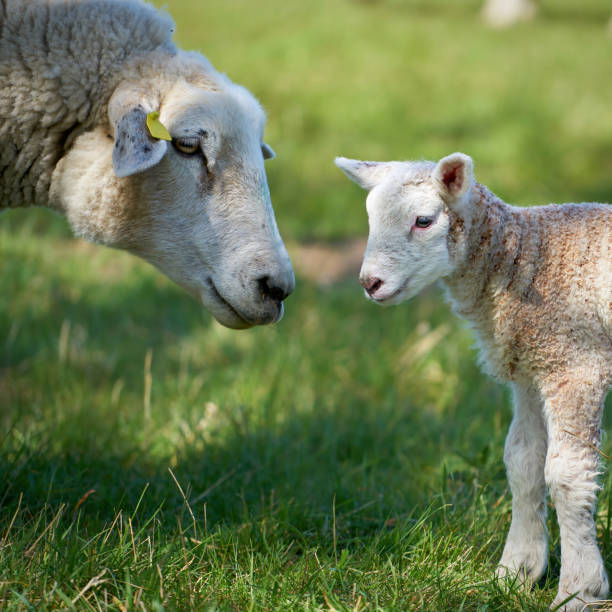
197,206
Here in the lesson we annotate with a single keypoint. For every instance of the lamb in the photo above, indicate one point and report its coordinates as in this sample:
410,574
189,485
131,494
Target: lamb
143,147
536,286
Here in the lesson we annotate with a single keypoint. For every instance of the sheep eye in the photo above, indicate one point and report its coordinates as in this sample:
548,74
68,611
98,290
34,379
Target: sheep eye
423,222
188,146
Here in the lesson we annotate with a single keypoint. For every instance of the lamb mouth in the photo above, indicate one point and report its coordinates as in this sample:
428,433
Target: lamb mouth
225,303
386,298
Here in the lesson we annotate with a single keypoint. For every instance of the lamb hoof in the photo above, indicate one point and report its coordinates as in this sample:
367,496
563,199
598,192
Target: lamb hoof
577,604
525,566
588,599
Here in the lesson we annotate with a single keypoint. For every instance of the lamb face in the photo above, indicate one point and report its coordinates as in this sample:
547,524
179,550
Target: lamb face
409,222
197,207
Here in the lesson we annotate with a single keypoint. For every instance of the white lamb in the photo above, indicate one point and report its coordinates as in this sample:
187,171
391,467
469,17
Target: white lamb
535,284
80,81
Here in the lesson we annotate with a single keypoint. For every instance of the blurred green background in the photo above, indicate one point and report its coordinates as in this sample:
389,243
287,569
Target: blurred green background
411,79
350,456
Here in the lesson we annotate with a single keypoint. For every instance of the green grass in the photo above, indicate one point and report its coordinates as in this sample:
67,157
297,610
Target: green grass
349,457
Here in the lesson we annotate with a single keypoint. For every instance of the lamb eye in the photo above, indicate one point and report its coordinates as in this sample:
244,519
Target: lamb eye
423,222
188,146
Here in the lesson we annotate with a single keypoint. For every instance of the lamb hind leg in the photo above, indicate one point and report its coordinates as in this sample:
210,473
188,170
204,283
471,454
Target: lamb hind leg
572,465
526,549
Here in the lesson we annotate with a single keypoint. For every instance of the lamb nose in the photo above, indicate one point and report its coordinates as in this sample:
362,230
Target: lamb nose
269,289
371,284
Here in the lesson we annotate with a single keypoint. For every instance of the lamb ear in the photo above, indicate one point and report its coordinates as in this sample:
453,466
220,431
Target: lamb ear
366,174
135,149
455,174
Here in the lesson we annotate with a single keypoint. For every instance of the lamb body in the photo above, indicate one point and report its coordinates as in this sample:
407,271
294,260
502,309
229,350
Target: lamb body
536,286
77,81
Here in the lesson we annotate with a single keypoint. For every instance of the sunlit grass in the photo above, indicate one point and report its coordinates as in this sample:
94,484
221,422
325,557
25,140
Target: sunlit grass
349,457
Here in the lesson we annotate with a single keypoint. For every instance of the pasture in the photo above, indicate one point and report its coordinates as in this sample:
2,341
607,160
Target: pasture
350,457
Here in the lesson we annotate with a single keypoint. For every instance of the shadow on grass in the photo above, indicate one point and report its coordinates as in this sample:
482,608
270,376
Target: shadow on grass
322,419
371,469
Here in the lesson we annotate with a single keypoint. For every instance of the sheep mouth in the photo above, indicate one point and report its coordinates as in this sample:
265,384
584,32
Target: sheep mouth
215,292
269,311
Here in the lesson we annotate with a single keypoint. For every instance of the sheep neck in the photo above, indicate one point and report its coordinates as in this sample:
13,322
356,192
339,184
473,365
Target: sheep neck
493,252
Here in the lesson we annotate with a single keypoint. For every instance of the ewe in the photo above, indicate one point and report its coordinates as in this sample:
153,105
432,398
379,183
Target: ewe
535,284
80,82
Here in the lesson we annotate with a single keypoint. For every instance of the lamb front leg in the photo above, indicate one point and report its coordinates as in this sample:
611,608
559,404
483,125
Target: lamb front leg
573,416
526,549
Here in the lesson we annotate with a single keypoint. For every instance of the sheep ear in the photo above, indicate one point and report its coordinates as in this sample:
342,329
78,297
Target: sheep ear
366,174
135,148
455,175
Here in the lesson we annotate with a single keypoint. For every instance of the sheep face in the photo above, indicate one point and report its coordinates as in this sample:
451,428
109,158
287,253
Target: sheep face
408,209
218,238
197,206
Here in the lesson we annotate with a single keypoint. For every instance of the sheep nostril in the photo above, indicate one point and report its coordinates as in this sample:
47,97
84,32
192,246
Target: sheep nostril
269,290
371,284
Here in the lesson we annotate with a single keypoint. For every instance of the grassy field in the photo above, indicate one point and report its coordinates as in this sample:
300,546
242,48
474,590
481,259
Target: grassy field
350,457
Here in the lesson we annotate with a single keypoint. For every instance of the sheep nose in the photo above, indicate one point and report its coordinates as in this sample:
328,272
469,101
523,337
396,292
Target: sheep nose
276,289
371,284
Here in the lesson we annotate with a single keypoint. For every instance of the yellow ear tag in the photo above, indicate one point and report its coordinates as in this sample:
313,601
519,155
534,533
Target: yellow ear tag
156,128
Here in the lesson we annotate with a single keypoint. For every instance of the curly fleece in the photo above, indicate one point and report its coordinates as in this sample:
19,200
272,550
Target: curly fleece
60,61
